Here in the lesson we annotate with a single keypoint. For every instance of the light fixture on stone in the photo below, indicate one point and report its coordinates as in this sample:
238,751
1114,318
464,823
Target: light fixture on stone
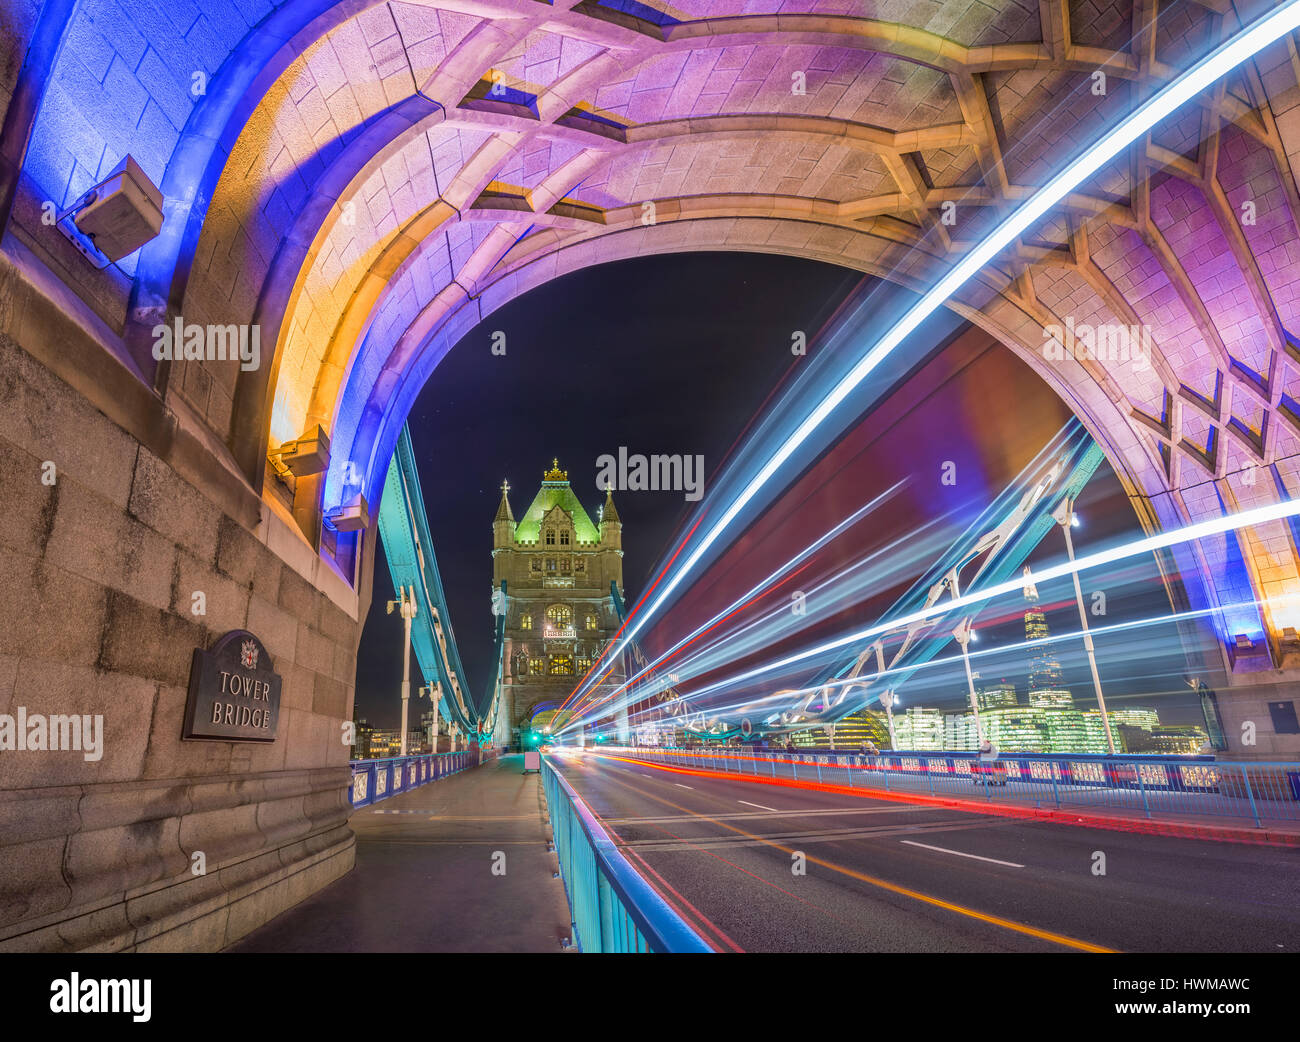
309,454
352,516
115,217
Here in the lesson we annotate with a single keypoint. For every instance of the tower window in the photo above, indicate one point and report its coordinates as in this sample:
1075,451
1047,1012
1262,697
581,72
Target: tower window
564,538
525,622
560,616
536,667
593,623
550,564
550,538
561,665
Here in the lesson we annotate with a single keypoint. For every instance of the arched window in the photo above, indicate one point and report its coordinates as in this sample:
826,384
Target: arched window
525,622
564,538
593,623
536,667
550,538
559,617
561,665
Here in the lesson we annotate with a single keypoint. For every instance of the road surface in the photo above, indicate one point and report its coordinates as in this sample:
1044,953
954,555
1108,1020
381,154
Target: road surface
879,875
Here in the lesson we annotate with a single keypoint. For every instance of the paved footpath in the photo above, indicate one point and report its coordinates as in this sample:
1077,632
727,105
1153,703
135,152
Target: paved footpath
424,878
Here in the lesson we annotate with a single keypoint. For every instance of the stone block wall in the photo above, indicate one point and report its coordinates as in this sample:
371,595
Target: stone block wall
120,510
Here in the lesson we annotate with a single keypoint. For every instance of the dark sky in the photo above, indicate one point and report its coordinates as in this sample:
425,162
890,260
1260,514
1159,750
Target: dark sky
665,354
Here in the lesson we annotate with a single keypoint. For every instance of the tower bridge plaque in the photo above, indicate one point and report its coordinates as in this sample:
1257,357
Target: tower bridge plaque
234,693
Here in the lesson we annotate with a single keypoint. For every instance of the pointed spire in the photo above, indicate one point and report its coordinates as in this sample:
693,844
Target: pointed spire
503,510
608,511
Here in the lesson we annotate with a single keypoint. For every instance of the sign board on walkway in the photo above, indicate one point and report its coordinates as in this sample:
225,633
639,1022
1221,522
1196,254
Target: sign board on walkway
234,693
533,761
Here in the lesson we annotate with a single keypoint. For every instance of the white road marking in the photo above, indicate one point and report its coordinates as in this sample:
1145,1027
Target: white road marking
759,806
681,786
945,850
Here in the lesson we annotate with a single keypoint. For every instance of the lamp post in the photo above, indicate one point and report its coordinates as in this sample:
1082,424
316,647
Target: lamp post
434,693
1065,516
887,700
406,604
964,634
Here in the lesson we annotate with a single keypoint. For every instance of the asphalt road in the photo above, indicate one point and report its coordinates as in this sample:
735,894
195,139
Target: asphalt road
885,876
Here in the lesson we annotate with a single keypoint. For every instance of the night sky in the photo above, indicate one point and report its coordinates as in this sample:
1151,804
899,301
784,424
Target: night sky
664,354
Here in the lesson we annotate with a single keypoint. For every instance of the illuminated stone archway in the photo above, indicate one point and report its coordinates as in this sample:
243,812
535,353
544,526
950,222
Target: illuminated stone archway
366,182
373,181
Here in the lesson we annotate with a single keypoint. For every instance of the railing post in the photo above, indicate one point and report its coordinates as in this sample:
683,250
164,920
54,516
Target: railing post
884,770
1251,795
1146,807
1056,791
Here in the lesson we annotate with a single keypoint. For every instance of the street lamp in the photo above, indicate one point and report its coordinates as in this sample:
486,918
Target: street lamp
888,699
1065,516
434,693
406,604
964,634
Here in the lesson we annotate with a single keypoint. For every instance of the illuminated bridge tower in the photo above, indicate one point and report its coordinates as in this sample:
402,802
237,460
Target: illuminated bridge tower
558,567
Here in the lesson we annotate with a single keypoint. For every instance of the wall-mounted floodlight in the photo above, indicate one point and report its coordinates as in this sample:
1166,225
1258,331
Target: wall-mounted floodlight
309,454
115,217
352,516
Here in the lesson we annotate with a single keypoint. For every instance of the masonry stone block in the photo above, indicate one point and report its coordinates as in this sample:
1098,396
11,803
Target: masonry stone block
48,613
173,507
142,641
93,539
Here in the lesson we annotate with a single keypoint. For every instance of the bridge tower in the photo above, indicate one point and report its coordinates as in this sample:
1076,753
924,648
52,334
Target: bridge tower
558,568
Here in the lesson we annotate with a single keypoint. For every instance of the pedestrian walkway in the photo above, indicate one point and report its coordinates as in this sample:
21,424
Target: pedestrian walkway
459,865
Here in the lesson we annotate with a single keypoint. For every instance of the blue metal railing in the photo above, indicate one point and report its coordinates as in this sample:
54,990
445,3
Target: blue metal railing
1255,793
614,909
375,780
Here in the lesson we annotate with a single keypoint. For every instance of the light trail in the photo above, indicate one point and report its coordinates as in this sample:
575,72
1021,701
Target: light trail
1149,544
954,661
846,585
1260,34
742,600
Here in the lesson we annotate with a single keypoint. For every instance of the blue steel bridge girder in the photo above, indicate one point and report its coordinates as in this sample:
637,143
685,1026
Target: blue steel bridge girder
408,546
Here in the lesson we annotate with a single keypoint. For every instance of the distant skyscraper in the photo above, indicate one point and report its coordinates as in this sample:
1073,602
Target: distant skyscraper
1044,669
996,696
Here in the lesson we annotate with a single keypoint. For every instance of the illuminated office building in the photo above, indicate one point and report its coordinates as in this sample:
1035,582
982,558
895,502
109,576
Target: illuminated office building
850,733
1147,719
1051,698
996,696
920,729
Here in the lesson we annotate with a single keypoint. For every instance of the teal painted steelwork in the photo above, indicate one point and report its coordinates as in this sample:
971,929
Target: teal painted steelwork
614,909
408,546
